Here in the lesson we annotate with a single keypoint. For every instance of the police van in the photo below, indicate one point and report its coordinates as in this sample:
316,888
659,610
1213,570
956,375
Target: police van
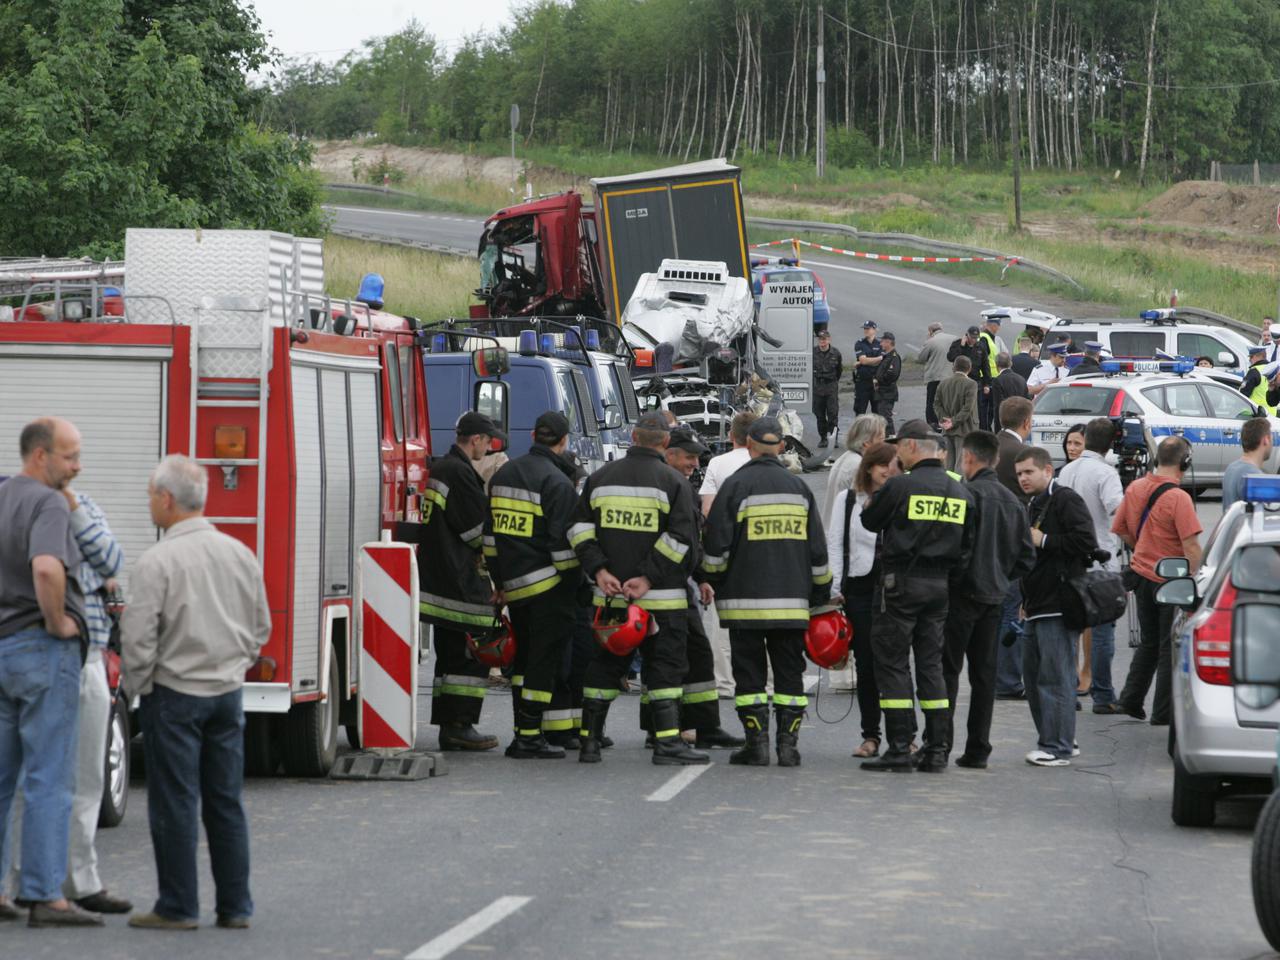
1154,334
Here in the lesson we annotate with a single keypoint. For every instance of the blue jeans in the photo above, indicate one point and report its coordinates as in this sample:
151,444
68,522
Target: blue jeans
1049,665
194,748
1104,649
39,715
1009,659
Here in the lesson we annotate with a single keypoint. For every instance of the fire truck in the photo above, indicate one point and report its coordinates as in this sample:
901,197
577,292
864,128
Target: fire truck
309,414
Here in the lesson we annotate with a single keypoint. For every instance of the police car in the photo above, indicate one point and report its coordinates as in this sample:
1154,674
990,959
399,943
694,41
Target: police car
1152,400
782,269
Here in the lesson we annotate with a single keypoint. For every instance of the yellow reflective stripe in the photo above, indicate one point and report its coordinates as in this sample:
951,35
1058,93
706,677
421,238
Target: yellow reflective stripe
955,476
667,734
520,732
558,724
567,564
435,497
773,510
490,551
750,699
702,696
671,548
444,613
581,531
515,493
788,700
763,613
519,506
666,693
653,600
821,574
599,693
517,680
458,690
633,496
896,704
935,704
524,593
645,503
537,696
922,507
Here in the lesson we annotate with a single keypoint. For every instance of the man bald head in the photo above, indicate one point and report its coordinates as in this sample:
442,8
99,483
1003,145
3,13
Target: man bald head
50,449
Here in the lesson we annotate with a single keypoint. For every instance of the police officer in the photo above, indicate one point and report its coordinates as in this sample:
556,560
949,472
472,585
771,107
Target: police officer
925,518
1049,371
531,505
455,595
866,357
828,365
1255,385
634,531
987,399
767,553
884,382
1090,362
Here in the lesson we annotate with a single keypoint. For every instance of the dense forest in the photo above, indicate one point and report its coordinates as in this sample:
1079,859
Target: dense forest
1171,84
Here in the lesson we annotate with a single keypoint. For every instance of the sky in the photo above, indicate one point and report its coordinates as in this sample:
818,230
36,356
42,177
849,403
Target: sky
326,29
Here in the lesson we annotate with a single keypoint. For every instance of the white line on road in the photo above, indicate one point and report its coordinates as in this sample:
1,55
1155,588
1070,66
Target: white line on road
890,276
678,783
468,929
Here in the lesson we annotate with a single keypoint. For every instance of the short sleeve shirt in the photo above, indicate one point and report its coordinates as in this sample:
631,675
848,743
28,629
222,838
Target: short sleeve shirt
1233,480
1172,520
721,468
34,521
1046,373
862,348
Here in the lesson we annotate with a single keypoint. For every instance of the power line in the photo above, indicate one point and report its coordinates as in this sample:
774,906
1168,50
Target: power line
902,46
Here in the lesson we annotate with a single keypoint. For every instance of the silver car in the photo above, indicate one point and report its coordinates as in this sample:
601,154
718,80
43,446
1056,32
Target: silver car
1219,743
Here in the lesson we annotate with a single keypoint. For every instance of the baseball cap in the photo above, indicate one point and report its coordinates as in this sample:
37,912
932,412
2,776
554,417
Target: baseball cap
550,427
918,430
471,423
1058,348
653,421
869,325
888,335
765,430
973,331
684,438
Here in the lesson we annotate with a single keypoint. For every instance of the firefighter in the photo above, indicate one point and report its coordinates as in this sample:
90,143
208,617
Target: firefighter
828,365
1255,385
531,505
455,595
767,553
926,522
635,532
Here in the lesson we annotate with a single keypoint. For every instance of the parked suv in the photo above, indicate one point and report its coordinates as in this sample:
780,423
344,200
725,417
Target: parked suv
1220,742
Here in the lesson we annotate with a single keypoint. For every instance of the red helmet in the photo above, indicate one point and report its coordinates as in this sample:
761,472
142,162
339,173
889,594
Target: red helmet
827,639
494,646
620,628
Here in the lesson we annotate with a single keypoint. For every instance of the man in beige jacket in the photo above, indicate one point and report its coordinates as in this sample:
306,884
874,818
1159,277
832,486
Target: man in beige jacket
196,620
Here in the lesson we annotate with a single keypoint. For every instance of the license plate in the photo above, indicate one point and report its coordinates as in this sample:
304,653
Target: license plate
1052,436
793,394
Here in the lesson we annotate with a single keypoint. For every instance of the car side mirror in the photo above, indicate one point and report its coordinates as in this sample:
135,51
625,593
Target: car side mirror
1226,358
1173,568
1255,651
612,417
1177,593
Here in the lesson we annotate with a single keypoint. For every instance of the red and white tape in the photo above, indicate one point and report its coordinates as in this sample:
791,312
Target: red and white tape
889,257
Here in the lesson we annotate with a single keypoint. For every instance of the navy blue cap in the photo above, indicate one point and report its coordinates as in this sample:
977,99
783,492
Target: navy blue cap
1058,348
869,325
888,335
1258,348
1093,346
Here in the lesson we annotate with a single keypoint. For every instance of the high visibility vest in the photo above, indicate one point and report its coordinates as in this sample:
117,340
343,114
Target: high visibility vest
991,353
1259,394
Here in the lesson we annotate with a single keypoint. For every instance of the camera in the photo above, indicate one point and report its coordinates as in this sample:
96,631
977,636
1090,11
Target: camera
1130,447
1100,556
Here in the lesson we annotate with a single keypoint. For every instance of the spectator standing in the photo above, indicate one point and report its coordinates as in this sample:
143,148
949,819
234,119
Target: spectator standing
1015,429
1008,384
1256,439
1098,485
1157,519
1073,443
855,567
957,407
1015,424
1026,359
41,624
866,430
828,365
968,346
884,382
1062,532
1049,371
936,367
195,623
988,340
866,357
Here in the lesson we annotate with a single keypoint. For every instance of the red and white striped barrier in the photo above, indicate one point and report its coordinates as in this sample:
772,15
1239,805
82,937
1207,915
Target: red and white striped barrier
889,257
387,601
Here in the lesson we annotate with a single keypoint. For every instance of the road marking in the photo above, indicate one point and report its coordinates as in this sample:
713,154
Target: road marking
912,347
468,929
890,276
676,784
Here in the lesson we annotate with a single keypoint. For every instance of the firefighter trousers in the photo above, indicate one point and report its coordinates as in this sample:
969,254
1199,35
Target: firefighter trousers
754,651
458,689
538,685
664,656
699,700
911,621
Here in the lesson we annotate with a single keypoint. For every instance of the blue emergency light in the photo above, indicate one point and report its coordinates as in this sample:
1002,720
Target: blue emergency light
111,291
527,345
1261,488
1163,313
593,339
371,289
1147,366
440,343
547,343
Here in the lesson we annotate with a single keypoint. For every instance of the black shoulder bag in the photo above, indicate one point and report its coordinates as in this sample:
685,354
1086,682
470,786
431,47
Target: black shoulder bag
1093,598
1132,579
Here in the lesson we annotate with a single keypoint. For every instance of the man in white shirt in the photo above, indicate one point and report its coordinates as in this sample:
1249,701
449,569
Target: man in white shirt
1049,371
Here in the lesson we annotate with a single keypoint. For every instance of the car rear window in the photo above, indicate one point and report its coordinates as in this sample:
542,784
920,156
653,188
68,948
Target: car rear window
1257,567
1075,401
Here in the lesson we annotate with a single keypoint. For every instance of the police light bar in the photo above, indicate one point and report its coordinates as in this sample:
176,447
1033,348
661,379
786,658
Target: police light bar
1164,313
1147,366
1262,489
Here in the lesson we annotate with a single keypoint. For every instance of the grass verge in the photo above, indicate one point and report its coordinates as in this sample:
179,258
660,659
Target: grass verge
422,284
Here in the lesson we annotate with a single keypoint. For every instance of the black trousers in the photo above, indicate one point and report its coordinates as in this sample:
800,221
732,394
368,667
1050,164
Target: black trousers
826,408
699,700
971,633
1152,657
538,685
753,652
862,397
665,662
458,689
911,622
859,606
931,391
986,407
885,409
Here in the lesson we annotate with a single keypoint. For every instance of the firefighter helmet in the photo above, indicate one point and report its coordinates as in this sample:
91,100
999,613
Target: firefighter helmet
620,628
494,646
828,637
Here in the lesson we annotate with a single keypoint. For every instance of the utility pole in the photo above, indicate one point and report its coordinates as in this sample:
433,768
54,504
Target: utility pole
820,143
1015,135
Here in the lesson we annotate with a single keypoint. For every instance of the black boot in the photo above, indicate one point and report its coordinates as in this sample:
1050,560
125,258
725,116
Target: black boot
755,723
898,732
668,747
937,735
593,714
718,737
529,743
788,735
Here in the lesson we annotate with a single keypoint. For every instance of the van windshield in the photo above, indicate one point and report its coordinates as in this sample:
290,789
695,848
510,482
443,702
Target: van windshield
1075,401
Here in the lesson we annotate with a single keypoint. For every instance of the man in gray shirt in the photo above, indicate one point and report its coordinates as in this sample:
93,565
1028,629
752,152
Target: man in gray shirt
936,367
41,623
1255,438
196,621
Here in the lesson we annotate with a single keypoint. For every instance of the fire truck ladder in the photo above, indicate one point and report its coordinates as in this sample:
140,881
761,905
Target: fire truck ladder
230,364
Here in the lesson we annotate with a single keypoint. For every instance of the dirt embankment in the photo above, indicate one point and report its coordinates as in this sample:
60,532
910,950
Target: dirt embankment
1217,206
340,158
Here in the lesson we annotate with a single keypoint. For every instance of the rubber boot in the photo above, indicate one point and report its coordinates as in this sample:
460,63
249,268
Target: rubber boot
529,742
593,715
898,728
788,735
755,724
669,748
937,735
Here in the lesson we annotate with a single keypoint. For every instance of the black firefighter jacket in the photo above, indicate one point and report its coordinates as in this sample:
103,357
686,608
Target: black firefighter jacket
765,549
1063,518
926,521
636,518
828,365
1002,548
531,507
453,589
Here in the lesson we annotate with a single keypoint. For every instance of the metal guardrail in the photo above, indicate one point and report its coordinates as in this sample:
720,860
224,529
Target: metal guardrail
370,188
1247,330
401,242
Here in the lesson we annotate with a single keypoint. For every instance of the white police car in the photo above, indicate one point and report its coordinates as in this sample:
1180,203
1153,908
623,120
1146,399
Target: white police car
1152,400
